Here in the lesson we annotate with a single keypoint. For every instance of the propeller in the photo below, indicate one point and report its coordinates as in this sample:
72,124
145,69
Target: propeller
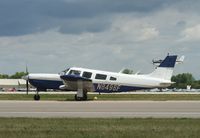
27,73
27,78
153,61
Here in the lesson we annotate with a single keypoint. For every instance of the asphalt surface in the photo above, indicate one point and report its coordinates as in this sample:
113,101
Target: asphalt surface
101,109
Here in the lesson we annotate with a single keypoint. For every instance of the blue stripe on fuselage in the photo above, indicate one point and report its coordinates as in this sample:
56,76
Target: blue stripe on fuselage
45,84
108,88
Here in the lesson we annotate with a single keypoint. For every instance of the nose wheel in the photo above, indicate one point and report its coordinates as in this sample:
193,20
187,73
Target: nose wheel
36,97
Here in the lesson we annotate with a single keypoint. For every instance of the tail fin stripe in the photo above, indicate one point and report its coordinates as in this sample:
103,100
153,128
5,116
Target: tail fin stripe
169,62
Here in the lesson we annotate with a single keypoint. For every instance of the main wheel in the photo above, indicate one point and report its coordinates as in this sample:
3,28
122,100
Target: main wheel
37,97
77,98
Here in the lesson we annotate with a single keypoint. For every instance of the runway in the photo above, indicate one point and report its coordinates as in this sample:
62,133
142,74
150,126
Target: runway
101,109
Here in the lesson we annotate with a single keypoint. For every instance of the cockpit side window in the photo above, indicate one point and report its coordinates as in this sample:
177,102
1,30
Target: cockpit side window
100,76
87,74
74,72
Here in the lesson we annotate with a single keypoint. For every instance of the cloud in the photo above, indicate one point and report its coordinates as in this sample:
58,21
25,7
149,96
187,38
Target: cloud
131,28
191,33
149,33
23,17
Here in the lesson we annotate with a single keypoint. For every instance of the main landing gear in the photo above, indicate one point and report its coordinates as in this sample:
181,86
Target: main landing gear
37,96
81,92
81,95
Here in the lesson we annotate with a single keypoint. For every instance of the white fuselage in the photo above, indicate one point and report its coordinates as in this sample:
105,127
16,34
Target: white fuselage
120,82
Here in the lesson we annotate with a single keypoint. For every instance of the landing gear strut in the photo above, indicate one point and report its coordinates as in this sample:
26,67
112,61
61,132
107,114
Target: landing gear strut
81,92
37,96
81,97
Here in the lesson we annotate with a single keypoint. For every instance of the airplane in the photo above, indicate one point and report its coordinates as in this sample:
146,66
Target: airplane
85,80
179,61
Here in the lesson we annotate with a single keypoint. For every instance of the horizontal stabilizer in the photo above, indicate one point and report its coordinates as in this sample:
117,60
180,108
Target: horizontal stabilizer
166,84
181,59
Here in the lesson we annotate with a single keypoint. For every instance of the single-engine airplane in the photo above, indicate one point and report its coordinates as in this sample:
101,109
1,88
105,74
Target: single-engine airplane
85,80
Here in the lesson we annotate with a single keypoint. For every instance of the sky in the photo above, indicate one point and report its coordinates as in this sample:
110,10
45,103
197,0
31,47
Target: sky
51,35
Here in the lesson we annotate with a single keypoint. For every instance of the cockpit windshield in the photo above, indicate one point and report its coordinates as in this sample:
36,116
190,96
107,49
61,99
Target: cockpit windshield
64,71
74,72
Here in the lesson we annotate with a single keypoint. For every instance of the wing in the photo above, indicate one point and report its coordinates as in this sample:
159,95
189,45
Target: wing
75,82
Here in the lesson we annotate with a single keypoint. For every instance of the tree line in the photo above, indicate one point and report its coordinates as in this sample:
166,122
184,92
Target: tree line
184,79
17,75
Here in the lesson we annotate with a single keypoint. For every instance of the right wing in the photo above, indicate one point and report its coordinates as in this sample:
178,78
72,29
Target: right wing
75,82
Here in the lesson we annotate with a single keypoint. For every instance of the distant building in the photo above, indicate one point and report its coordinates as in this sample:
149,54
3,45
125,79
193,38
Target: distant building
12,83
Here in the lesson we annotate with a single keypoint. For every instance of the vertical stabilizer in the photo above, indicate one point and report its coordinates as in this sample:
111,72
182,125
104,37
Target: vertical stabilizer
165,69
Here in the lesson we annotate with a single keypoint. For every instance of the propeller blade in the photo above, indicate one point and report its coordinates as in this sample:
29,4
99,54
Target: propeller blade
27,73
27,87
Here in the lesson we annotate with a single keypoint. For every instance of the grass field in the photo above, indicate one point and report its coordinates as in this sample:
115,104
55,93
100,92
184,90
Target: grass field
70,97
97,128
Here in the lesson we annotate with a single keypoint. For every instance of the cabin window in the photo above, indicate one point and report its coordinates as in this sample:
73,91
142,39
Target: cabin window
113,78
75,72
87,74
100,76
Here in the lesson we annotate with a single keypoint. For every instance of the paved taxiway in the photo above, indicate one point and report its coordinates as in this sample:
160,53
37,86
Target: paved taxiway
100,109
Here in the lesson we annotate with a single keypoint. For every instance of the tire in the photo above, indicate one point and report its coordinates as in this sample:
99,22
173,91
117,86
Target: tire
77,98
36,97
84,98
